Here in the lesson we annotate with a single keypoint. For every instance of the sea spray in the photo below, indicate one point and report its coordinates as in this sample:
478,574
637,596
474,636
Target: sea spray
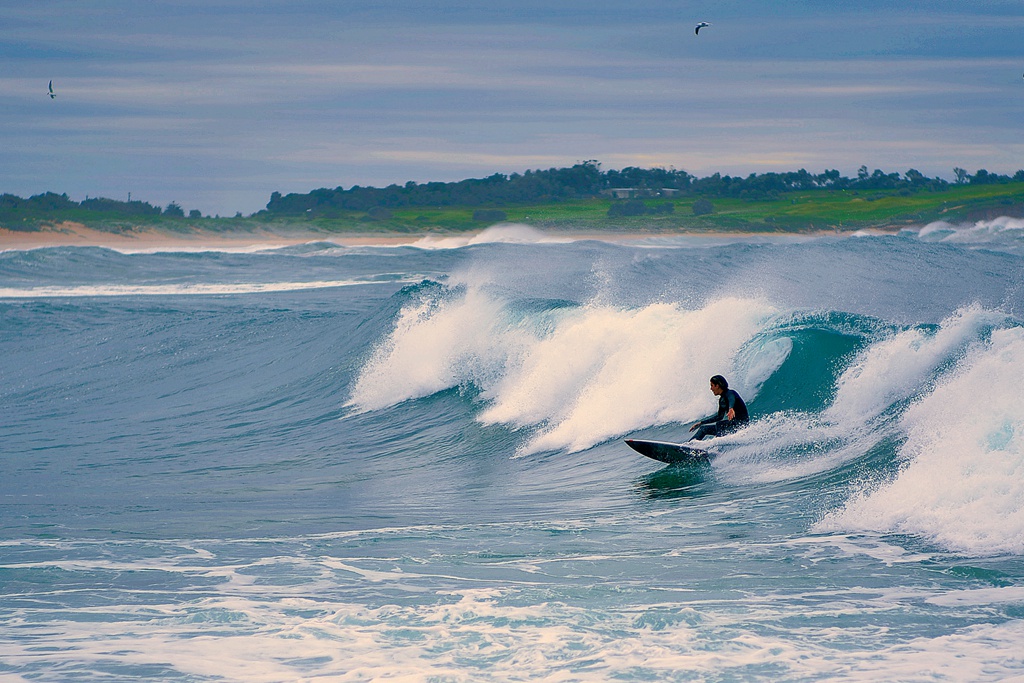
963,482
505,233
1004,233
870,395
574,376
439,341
605,372
895,368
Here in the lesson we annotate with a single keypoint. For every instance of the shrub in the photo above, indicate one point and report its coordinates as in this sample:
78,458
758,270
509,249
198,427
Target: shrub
630,207
489,215
702,207
379,213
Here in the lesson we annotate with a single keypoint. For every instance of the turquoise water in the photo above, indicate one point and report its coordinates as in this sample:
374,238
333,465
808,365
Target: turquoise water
406,462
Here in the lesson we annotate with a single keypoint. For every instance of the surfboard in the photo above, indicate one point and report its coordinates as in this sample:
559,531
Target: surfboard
670,453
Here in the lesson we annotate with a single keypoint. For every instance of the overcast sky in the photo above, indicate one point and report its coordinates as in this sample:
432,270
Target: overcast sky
214,104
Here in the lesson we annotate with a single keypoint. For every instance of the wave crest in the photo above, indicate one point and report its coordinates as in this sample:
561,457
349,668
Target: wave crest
574,376
962,483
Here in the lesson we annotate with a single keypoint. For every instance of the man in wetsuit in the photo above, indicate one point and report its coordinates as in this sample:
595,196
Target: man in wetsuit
732,412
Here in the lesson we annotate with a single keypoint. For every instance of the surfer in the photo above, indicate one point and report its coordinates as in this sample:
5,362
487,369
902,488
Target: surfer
732,412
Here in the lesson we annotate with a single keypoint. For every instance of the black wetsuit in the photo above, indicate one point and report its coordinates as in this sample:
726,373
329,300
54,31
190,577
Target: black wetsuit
721,424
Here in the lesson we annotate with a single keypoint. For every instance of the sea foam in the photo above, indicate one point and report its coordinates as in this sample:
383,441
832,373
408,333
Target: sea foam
192,289
869,397
506,233
574,376
1004,233
896,368
962,485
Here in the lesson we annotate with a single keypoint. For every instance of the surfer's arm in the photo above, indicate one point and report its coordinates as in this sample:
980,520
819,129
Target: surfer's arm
725,412
705,421
730,414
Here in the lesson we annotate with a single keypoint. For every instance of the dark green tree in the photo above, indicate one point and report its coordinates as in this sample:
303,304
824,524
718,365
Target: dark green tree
703,206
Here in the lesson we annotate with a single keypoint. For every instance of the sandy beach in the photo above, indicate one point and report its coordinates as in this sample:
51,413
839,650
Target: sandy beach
151,239
146,239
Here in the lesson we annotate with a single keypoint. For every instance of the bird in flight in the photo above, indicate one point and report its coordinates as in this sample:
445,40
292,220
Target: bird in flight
701,25
53,95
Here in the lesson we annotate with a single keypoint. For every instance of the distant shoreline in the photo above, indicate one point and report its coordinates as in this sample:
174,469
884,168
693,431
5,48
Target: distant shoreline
793,213
148,238
151,239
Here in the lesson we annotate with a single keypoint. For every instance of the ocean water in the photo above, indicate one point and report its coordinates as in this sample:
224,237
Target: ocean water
406,463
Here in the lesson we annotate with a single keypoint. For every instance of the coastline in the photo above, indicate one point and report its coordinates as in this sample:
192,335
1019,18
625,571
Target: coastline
148,239
152,239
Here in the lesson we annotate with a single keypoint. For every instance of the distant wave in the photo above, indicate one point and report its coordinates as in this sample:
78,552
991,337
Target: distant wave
193,289
1000,233
174,248
518,233
509,233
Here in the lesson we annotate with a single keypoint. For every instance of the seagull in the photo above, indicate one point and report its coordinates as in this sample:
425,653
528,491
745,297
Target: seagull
701,25
52,94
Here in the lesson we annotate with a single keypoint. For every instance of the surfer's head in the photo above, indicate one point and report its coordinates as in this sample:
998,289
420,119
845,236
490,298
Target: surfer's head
720,382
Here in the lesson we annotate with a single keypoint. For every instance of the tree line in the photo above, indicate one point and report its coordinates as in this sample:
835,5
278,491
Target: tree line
586,180
52,206
580,181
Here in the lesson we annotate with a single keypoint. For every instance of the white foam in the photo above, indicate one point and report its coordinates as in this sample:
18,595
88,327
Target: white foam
213,609
963,482
895,368
1000,595
435,345
520,233
608,372
192,289
277,632
936,228
887,373
1003,230
177,248
255,248
503,233
574,376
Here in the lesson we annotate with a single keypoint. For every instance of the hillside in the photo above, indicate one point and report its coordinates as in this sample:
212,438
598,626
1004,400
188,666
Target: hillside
581,198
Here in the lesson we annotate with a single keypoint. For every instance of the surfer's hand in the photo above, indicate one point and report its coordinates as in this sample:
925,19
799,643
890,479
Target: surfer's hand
694,426
731,414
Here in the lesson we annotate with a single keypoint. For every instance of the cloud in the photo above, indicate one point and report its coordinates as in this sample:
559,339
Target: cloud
324,93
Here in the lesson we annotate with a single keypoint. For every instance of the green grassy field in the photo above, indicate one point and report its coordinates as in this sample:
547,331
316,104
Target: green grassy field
791,212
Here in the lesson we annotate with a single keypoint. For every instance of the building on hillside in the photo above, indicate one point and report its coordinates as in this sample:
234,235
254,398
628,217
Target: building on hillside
639,192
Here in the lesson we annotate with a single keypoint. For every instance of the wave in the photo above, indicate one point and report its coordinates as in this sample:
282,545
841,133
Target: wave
573,375
895,368
1003,232
418,608
826,390
871,390
504,233
189,289
961,482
